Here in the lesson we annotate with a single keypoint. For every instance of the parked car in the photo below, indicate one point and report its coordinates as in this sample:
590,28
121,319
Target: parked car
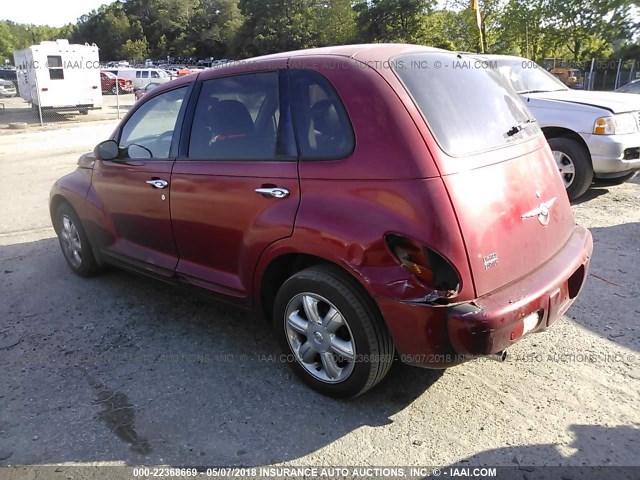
108,83
593,135
141,77
141,92
7,89
632,87
11,75
364,205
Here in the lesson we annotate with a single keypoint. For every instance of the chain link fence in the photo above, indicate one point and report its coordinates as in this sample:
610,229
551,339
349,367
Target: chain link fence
594,74
17,112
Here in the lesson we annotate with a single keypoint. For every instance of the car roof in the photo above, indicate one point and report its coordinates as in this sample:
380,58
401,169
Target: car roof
382,51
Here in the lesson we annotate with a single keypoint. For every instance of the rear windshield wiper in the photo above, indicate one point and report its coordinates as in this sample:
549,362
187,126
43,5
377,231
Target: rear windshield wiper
536,91
517,128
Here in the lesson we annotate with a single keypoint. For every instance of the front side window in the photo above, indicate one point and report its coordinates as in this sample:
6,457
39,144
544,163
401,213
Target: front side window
323,127
238,118
466,103
56,72
152,125
155,75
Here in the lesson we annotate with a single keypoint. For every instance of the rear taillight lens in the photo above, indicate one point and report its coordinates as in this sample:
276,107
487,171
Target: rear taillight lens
432,270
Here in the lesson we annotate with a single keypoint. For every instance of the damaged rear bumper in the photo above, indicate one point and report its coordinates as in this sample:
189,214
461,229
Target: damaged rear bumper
441,336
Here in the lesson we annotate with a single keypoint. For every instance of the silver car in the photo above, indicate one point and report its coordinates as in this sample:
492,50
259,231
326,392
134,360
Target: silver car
7,89
594,136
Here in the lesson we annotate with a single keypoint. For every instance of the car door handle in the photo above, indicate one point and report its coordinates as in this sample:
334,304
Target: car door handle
158,183
276,192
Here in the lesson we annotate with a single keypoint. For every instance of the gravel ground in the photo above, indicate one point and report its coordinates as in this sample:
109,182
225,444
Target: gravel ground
123,370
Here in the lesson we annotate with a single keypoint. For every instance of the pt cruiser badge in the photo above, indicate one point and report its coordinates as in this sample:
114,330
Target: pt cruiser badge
541,211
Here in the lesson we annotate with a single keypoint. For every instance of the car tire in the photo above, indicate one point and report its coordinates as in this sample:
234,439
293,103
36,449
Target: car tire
114,90
574,159
74,243
343,354
614,181
84,111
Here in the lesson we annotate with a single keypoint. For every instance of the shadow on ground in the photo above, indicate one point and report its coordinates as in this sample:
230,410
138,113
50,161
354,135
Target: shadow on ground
121,368
592,445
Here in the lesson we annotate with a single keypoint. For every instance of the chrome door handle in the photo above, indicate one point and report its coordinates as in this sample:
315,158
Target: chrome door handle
276,192
158,183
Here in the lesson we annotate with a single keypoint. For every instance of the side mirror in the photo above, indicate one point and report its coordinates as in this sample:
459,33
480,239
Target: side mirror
138,152
107,150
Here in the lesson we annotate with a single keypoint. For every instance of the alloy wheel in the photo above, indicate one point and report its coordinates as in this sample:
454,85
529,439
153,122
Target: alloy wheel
566,167
320,338
71,244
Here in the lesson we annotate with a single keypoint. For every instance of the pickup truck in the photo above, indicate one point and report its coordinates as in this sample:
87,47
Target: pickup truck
594,136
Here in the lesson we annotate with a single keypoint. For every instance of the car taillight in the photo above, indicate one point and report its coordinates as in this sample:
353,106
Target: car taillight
429,267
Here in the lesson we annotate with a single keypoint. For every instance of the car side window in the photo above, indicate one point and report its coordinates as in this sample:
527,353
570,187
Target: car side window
155,75
322,125
239,118
152,125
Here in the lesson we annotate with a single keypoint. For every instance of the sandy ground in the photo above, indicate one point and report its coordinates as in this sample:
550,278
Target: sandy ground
124,370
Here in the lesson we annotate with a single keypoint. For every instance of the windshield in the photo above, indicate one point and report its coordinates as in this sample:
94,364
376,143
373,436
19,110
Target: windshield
467,105
528,77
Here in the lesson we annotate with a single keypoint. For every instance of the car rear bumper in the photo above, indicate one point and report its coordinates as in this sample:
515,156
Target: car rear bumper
612,154
441,336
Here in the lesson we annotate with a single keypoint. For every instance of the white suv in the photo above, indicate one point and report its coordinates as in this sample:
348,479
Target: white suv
594,136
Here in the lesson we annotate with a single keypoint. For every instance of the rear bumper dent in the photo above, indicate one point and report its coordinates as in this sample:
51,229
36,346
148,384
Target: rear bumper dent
496,321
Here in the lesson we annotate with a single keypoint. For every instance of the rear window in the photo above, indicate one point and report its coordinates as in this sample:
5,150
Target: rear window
467,105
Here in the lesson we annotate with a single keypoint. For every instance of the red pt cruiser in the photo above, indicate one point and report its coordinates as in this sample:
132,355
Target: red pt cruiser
371,201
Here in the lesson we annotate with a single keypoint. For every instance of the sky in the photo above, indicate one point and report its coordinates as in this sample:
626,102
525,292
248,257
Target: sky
47,12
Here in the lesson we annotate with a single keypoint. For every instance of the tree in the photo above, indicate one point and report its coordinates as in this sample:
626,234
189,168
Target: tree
336,22
393,20
135,49
589,27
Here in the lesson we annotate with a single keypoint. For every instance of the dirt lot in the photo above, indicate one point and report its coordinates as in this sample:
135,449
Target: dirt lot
124,370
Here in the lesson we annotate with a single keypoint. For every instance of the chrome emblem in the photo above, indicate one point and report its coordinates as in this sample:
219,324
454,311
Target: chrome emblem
541,211
490,261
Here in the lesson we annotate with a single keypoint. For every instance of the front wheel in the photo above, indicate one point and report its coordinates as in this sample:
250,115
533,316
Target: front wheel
114,90
574,165
333,334
74,242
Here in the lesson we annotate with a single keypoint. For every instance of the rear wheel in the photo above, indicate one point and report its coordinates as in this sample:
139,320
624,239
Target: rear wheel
335,338
574,165
74,242
84,111
114,90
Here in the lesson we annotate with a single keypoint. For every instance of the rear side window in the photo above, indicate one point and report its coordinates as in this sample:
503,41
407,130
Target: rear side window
467,105
239,118
323,128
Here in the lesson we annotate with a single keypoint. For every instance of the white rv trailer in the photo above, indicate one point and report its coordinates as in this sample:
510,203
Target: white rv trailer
59,76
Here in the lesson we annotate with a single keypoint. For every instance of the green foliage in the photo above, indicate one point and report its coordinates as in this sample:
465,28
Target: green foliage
138,29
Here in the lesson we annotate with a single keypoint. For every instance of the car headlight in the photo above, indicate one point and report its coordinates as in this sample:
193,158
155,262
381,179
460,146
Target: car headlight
616,125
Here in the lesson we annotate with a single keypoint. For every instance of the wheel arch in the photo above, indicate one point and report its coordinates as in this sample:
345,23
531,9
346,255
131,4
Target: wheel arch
556,132
57,200
282,266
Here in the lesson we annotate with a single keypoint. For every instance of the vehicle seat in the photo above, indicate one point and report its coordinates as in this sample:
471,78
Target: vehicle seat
330,134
